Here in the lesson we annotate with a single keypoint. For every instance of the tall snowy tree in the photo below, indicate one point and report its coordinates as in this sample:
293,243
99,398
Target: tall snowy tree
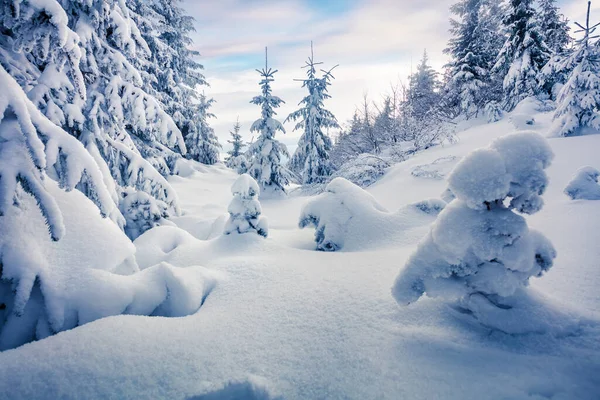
311,159
171,73
554,26
78,62
469,67
201,141
579,100
423,85
236,159
523,55
266,152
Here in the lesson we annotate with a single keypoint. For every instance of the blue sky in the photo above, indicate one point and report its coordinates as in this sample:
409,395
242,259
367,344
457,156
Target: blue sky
374,41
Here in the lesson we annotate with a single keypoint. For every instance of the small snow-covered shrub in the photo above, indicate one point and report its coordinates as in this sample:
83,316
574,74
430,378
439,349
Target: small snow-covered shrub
332,212
244,210
438,169
142,212
493,111
363,170
479,250
584,185
238,163
431,206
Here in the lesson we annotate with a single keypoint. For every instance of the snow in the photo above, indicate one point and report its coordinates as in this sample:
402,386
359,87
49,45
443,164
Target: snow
287,321
584,184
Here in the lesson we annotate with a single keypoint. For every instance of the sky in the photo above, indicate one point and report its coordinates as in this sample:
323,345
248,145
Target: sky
375,42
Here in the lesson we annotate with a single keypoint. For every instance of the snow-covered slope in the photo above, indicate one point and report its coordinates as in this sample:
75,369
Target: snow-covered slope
289,321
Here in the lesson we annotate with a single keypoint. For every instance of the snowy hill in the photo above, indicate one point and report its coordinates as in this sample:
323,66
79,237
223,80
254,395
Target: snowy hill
286,321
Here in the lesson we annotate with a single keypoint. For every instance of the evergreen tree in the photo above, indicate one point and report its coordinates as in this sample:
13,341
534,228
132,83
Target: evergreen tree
266,152
480,251
171,73
79,63
237,159
385,122
423,86
469,67
244,210
579,100
554,26
311,159
523,55
556,32
201,141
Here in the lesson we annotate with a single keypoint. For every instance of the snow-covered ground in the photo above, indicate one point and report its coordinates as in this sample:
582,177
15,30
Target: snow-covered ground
286,321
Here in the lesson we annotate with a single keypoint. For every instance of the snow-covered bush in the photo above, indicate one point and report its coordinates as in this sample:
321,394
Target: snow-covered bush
430,206
364,170
437,169
244,210
493,111
584,185
142,212
238,163
479,251
331,212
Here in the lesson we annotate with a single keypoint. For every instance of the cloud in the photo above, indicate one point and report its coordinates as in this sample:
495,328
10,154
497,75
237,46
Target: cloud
374,41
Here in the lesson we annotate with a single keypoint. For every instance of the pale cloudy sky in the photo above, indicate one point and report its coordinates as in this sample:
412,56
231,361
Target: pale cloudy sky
375,42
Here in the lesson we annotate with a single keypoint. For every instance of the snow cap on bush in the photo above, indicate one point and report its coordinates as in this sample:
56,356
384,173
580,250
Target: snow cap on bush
513,166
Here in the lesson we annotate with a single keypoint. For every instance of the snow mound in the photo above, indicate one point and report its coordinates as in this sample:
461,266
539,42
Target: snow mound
438,169
363,171
522,121
584,185
156,244
346,216
48,287
252,389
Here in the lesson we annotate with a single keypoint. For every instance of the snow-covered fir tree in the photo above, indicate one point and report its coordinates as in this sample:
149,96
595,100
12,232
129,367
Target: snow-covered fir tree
469,67
83,74
579,99
480,252
422,92
554,26
523,55
244,209
236,158
171,73
266,152
201,141
311,159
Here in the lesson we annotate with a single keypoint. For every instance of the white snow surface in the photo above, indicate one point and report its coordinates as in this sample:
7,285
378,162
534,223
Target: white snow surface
286,321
